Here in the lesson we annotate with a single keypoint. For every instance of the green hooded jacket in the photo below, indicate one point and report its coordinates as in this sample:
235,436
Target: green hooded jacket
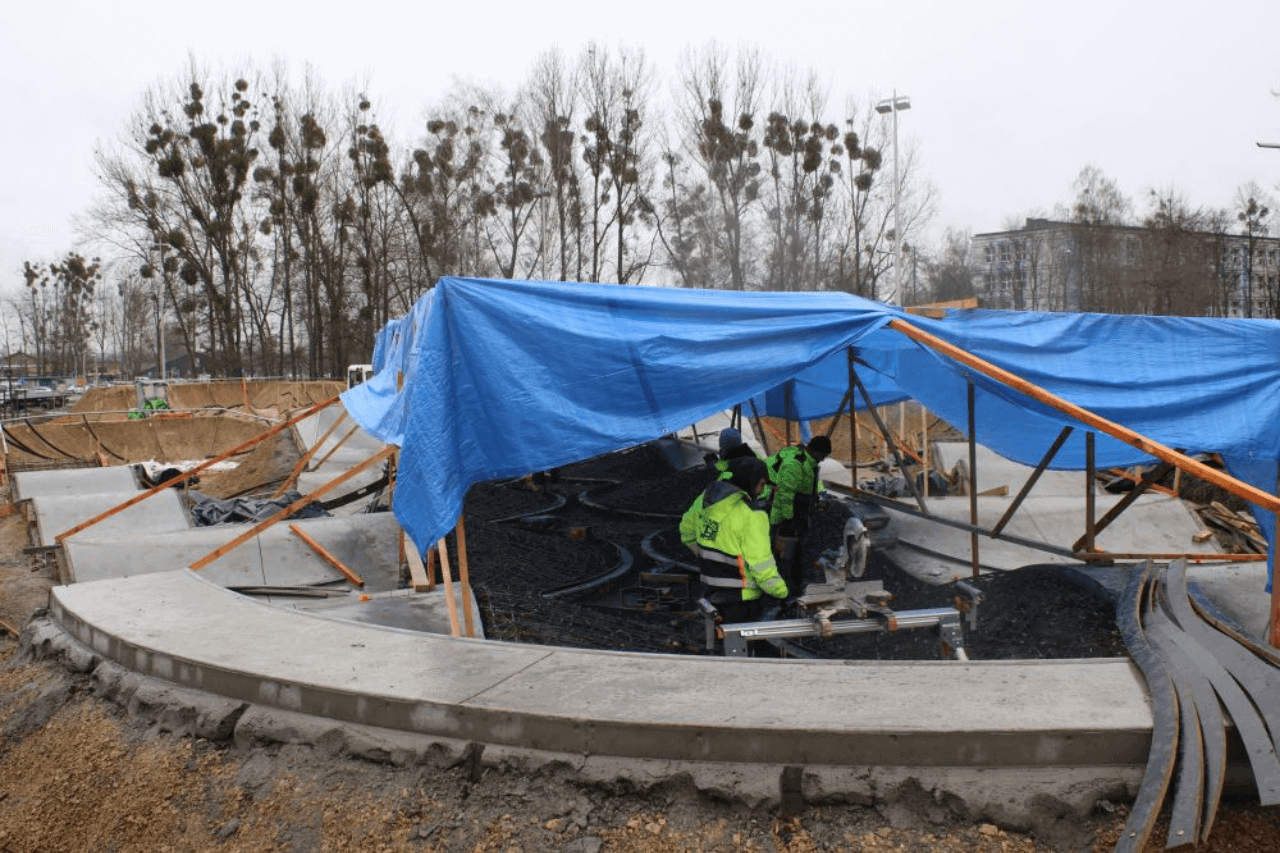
792,471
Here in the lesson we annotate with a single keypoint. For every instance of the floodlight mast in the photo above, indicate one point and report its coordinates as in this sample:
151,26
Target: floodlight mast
895,105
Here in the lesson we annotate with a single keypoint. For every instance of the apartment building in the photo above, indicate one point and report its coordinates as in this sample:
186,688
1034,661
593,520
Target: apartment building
1050,265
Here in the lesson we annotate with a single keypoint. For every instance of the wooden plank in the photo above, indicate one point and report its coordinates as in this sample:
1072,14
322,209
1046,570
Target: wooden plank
448,587
1164,712
418,581
289,510
464,577
257,439
326,555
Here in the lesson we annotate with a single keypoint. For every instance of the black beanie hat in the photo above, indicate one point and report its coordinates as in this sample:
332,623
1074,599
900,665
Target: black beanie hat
820,444
746,471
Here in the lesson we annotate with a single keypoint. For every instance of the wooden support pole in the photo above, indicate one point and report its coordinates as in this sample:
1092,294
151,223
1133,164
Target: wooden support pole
1090,530
973,485
786,391
306,457
853,426
764,439
448,587
464,577
181,478
326,555
290,509
835,421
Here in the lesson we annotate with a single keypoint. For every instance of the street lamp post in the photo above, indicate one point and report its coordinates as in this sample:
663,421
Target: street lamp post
894,106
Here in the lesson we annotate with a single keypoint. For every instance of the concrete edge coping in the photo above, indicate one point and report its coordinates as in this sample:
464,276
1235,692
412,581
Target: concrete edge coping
183,629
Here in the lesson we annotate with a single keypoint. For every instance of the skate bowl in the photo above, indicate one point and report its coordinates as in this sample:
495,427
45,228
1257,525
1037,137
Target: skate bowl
1030,745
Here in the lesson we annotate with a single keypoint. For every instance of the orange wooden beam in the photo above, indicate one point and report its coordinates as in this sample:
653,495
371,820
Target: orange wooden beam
1101,424
289,510
325,555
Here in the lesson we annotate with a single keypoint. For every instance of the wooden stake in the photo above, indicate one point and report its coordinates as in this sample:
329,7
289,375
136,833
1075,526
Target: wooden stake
325,555
181,478
973,484
464,576
448,587
418,580
289,510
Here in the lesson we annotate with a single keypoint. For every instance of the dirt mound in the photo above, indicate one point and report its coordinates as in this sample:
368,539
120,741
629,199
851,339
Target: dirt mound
256,396
164,438
260,469
117,398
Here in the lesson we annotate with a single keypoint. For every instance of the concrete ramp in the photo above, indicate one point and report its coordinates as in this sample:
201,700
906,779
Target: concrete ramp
367,545
994,471
339,450
161,513
74,481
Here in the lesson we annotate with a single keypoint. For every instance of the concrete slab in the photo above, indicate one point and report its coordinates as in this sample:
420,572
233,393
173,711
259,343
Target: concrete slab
76,481
935,552
366,544
314,428
995,471
412,611
1236,593
162,512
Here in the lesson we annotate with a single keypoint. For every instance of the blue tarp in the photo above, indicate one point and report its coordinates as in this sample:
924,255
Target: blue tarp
501,378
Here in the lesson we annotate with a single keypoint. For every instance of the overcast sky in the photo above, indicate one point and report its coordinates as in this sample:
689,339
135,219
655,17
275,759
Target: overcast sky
1009,100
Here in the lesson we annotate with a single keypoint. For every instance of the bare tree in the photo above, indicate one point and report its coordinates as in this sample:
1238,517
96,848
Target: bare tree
718,107
1254,216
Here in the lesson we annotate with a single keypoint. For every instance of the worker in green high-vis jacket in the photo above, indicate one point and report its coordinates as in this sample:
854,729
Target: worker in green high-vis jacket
730,537
793,472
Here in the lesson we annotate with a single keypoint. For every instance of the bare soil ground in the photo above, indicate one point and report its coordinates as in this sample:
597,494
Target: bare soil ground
80,773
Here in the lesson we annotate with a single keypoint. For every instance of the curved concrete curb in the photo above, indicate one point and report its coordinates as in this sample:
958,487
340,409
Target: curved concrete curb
1003,737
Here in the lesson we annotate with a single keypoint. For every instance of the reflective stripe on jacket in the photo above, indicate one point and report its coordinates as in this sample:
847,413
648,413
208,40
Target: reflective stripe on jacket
732,540
793,471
